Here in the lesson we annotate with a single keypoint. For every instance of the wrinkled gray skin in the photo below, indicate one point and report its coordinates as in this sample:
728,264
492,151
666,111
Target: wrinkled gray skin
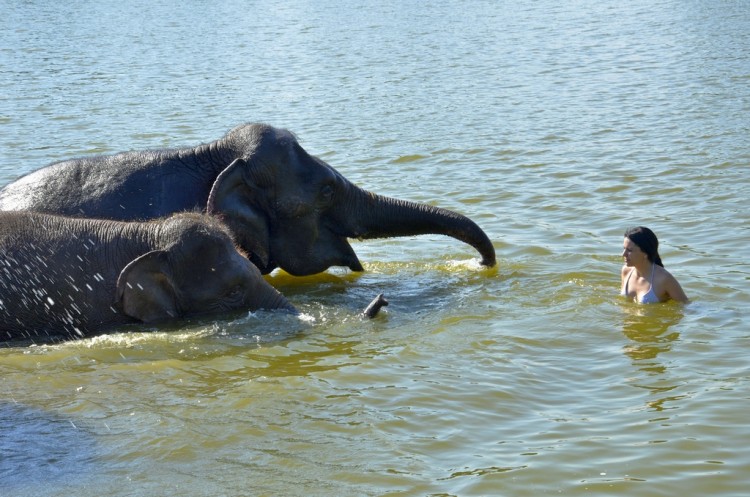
286,208
69,277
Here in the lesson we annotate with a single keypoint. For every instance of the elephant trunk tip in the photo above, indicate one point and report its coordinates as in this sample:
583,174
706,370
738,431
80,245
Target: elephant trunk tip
374,307
489,260
485,248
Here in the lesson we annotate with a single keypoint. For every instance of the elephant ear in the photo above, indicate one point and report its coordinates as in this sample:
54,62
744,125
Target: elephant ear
144,289
233,198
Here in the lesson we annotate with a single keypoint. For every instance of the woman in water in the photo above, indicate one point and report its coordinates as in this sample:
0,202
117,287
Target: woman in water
643,276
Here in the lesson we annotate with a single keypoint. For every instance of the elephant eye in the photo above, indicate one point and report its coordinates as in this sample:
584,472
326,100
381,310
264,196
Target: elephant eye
326,193
236,293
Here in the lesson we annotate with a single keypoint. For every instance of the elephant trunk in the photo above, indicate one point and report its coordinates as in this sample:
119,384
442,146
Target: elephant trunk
273,299
383,217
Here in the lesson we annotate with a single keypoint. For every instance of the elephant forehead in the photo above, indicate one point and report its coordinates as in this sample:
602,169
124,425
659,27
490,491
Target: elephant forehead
213,268
200,248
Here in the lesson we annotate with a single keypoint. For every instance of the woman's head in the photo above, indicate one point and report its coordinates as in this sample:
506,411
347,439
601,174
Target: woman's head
646,241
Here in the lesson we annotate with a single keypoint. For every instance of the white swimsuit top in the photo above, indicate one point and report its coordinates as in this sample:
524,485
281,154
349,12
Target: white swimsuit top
648,297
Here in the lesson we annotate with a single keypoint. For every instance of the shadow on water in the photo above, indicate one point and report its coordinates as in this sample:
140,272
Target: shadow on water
37,446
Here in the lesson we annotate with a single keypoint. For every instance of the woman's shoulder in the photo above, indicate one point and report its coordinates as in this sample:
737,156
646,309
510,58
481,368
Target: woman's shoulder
665,280
662,274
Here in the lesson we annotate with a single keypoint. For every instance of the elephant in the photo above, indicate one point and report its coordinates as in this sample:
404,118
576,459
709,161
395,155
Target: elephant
64,277
286,208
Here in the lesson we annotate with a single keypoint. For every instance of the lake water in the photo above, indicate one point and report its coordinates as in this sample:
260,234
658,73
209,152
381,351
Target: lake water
554,125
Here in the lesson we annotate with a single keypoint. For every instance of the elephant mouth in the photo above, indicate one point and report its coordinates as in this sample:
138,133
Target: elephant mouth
343,253
346,255
355,265
304,266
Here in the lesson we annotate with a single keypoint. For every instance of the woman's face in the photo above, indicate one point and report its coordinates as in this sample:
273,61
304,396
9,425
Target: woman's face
632,253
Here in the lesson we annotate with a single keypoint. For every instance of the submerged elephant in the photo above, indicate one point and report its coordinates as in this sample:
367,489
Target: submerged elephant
285,207
66,277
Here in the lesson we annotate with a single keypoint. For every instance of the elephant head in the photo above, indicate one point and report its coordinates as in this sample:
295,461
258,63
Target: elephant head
200,272
291,210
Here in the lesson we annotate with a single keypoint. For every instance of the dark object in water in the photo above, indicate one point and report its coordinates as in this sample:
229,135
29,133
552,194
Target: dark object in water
373,309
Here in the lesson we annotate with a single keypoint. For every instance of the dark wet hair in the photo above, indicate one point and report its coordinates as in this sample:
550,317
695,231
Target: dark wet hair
646,241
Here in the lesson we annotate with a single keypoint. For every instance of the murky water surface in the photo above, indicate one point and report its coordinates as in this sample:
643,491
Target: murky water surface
554,125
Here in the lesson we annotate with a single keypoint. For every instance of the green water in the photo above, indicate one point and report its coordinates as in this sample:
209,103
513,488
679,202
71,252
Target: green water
555,126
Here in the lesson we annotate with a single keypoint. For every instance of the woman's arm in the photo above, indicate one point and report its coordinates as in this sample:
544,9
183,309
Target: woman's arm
673,288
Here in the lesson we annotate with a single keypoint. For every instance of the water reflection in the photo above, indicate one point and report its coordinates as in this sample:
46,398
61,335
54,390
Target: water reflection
651,331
